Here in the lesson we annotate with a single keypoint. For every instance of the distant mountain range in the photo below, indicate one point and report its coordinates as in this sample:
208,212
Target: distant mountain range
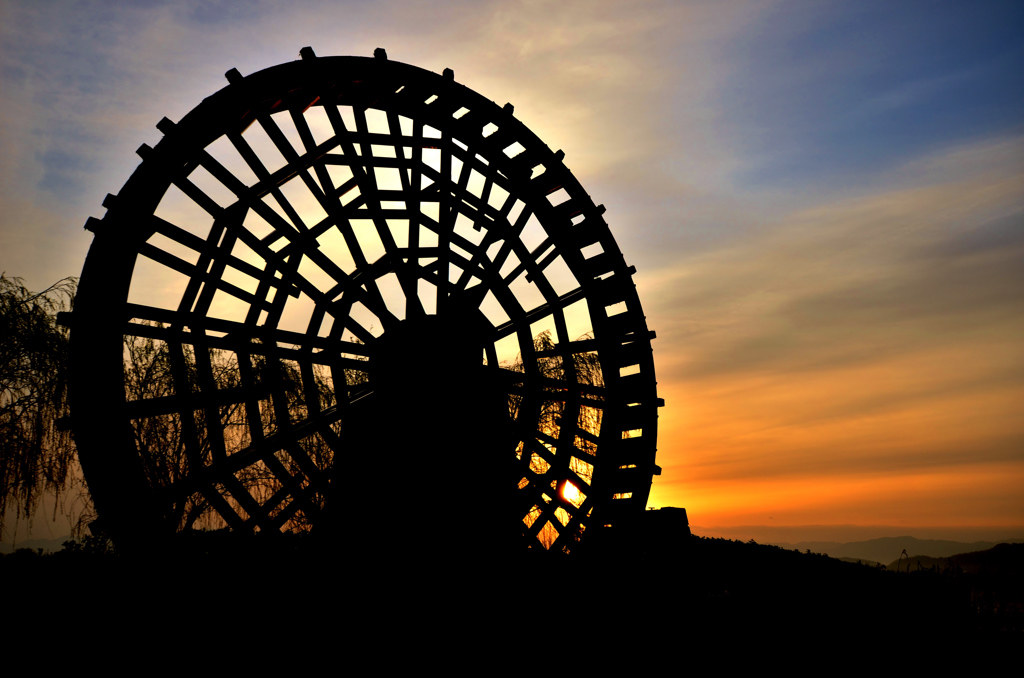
888,549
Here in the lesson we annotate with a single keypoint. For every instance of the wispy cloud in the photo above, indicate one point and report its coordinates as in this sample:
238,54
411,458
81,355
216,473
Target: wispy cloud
823,200
875,336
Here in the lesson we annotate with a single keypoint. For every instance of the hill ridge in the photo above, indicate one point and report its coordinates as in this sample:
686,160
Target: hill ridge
888,549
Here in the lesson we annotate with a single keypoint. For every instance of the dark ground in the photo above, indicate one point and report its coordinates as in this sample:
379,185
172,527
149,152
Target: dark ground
705,593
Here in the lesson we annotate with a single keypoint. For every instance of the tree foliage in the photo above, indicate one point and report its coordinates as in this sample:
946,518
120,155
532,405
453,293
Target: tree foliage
36,456
582,368
37,453
559,373
172,446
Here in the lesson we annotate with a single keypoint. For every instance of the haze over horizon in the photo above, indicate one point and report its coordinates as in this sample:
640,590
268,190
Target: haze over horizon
823,202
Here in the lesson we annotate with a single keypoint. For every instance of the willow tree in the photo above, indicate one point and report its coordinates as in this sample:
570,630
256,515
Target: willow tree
161,439
559,371
36,455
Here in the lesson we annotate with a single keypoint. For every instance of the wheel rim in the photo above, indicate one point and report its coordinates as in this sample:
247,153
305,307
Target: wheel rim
268,243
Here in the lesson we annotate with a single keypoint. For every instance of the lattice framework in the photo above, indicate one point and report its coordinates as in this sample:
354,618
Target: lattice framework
275,233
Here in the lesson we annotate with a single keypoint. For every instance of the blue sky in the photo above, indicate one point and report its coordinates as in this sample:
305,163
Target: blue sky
839,91
823,199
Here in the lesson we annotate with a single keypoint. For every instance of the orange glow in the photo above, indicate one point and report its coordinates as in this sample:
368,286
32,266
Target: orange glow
903,441
865,499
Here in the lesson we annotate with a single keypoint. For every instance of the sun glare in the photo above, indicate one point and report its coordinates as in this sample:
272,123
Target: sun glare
572,494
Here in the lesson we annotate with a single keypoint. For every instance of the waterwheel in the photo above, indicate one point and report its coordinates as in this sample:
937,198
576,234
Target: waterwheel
349,294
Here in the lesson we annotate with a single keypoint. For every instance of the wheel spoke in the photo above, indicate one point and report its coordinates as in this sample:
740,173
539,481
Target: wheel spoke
321,213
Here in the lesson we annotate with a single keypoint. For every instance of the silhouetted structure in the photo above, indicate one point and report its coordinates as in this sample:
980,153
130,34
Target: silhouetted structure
341,259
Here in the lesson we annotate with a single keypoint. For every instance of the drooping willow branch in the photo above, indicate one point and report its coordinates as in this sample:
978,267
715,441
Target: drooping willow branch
36,456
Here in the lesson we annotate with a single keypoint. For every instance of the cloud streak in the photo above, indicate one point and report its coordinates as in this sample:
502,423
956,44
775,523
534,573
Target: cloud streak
875,336
823,202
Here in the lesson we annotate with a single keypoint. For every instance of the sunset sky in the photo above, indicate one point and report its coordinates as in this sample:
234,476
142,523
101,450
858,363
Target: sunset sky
824,202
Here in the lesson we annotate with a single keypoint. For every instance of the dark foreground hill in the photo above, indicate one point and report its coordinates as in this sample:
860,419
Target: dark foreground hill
704,592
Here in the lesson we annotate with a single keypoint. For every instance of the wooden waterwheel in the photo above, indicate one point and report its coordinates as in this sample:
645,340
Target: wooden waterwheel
346,293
